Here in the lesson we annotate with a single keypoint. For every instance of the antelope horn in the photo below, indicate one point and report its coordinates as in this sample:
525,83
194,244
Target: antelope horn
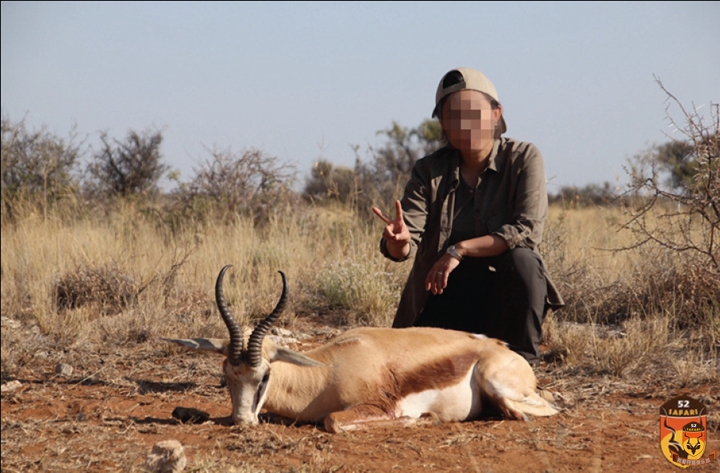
254,350
236,336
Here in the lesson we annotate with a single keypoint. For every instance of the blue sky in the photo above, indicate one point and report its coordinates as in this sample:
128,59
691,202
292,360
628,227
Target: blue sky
291,78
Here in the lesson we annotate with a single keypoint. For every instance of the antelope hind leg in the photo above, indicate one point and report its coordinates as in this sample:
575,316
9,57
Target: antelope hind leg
510,384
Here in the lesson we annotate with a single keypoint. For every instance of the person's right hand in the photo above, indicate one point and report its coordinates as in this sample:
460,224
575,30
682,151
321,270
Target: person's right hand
396,233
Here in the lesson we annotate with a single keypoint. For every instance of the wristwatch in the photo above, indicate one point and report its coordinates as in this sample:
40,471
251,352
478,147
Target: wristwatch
453,252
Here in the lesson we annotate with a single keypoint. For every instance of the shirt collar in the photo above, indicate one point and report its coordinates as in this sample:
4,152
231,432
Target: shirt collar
493,162
455,158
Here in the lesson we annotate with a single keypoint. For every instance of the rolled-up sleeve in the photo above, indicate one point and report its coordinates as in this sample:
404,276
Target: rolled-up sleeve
530,202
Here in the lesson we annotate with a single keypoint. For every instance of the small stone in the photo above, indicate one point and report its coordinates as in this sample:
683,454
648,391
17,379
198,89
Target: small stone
9,323
167,456
281,332
10,386
64,370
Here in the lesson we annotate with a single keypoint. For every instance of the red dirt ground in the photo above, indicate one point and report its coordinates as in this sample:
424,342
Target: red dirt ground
109,417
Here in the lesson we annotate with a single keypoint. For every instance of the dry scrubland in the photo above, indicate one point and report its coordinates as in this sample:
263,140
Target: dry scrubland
125,279
75,286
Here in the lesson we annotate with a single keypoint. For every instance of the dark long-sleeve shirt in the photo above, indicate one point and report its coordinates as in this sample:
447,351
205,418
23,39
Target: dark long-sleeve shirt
510,201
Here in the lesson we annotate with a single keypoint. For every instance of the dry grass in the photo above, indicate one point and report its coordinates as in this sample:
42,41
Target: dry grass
126,279
642,312
122,279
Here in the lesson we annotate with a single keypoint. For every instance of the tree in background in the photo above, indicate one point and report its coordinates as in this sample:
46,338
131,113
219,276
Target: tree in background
676,158
380,179
329,182
37,164
588,195
250,183
384,176
127,168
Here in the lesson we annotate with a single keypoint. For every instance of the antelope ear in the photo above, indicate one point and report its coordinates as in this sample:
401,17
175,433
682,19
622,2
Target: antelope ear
294,357
217,345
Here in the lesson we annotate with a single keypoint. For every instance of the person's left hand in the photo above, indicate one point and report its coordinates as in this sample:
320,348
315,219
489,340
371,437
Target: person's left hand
437,278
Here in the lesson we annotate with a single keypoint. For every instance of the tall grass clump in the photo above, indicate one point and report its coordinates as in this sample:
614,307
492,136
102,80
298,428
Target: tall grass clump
350,282
363,289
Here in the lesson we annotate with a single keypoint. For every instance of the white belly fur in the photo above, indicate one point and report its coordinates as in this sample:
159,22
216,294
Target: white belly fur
453,403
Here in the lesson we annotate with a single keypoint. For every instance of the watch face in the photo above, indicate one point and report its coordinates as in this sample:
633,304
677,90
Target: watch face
453,252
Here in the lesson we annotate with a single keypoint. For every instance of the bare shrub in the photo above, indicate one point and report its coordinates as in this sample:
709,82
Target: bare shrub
688,219
123,169
679,222
106,289
669,246
250,183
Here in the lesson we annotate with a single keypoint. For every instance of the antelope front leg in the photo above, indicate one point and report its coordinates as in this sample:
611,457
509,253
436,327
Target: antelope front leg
354,418
366,416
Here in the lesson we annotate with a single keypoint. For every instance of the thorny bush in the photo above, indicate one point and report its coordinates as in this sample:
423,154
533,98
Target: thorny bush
683,222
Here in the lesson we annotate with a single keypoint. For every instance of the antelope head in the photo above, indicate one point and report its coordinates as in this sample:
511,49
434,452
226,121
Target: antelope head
247,367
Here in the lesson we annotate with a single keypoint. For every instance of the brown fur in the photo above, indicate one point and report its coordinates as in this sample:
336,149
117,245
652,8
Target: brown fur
437,374
364,374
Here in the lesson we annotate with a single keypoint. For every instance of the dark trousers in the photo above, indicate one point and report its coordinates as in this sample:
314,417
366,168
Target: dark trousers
501,297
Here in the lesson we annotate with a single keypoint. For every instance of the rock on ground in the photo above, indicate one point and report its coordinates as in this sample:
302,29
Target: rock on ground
10,386
167,456
64,370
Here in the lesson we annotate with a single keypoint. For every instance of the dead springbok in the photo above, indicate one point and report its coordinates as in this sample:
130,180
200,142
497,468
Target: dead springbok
371,374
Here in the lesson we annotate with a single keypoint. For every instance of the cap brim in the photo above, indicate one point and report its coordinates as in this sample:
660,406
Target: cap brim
434,112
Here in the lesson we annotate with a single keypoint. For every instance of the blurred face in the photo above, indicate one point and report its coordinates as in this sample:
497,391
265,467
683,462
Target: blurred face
469,120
